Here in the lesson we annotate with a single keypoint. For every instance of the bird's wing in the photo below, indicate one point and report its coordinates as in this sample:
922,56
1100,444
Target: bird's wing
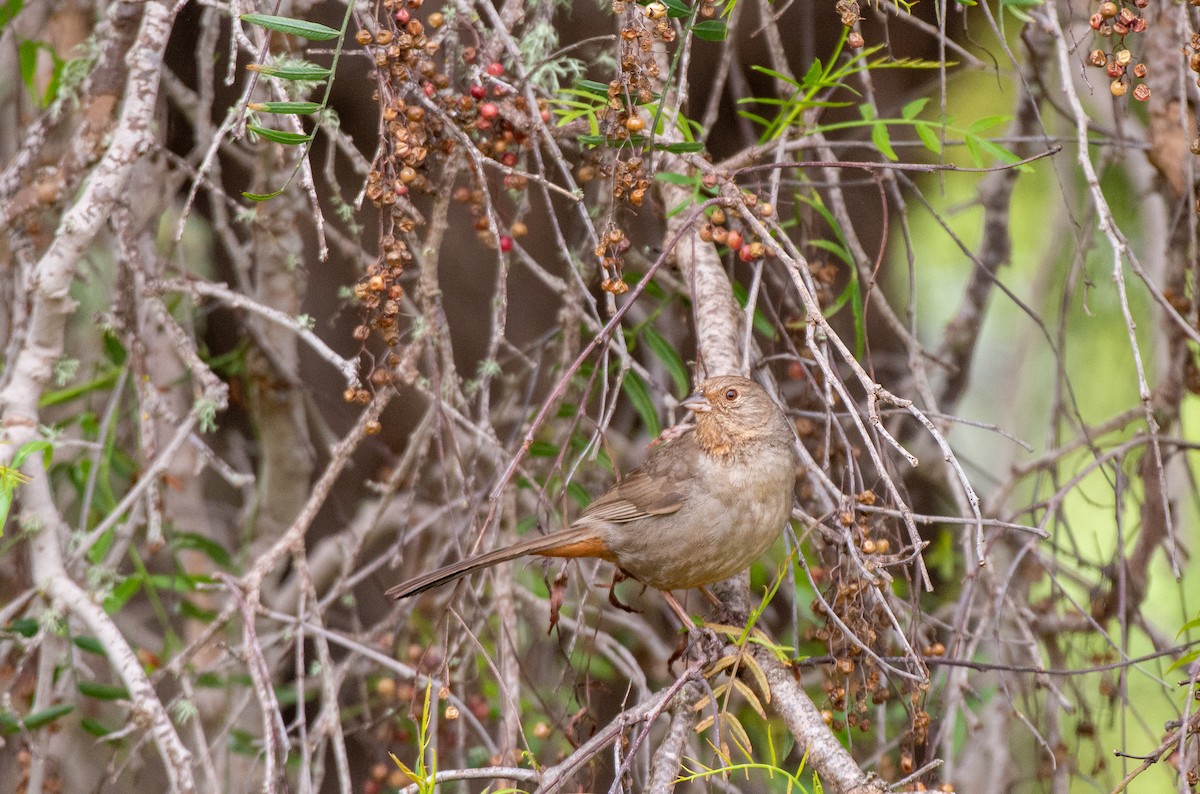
652,490
637,496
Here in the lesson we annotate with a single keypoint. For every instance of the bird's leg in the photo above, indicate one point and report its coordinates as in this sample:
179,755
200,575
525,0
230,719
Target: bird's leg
679,611
618,577
707,641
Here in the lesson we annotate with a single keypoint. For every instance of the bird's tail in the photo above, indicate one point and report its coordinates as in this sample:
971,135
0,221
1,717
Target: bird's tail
570,542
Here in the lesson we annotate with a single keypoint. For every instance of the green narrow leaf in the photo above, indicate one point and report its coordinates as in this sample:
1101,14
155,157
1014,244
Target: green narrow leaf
124,591
6,500
972,144
313,31
668,356
1191,624
31,447
8,10
95,727
637,393
1184,660
929,137
39,719
676,179
27,51
812,77
26,627
837,250
98,691
914,108
980,126
206,546
189,610
104,542
578,494
89,644
757,119
262,196
778,75
591,88
680,148
290,108
677,8
280,136
307,71
710,30
999,152
883,141
80,390
761,324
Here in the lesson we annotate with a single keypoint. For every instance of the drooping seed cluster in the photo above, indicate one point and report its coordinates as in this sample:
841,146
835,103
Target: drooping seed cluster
426,114
1117,20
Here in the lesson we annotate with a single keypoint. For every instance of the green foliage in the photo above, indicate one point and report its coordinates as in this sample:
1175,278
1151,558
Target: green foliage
27,62
423,775
931,133
89,644
762,325
314,31
669,357
710,30
11,476
8,10
97,691
591,101
822,78
733,729
297,72
11,723
1192,655
852,293
635,390
296,108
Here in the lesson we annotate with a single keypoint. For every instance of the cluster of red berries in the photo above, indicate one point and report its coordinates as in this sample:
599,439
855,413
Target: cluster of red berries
717,230
1116,18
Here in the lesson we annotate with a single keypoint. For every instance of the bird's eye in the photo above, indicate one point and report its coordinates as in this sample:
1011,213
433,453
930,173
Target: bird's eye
731,394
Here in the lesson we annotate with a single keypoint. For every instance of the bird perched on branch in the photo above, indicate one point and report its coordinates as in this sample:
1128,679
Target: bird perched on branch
703,506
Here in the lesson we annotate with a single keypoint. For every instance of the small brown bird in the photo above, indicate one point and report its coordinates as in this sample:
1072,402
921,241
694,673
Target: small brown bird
703,506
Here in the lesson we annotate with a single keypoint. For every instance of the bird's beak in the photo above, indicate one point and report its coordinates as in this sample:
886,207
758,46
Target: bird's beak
697,403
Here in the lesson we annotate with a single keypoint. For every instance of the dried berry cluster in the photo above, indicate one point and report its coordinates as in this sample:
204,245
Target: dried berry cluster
854,615
402,55
848,10
1118,20
610,251
718,230
1194,55
630,181
425,116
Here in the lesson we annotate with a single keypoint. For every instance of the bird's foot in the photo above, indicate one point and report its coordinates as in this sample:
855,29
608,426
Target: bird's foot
618,577
700,643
